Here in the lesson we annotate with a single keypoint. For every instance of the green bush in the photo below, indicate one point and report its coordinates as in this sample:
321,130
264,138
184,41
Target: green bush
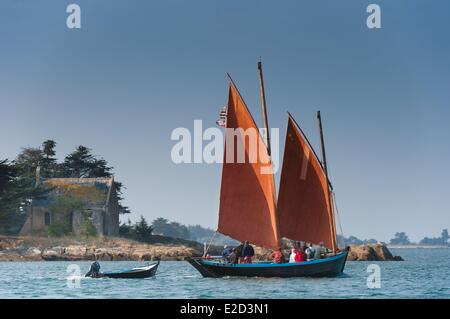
58,229
62,208
88,229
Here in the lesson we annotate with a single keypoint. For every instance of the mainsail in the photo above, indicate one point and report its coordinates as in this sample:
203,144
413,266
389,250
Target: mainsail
305,211
247,197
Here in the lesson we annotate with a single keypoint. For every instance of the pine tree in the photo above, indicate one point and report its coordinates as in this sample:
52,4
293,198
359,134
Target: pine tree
49,166
16,193
142,230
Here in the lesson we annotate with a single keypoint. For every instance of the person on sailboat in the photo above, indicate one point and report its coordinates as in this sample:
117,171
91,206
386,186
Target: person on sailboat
301,256
239,251
277,256
321,251
247,252
293,254
310,251
232,257
226,252
301,246
297,255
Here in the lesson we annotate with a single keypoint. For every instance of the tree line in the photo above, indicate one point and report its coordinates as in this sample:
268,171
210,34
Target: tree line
401,238
18,179
143,231
164,227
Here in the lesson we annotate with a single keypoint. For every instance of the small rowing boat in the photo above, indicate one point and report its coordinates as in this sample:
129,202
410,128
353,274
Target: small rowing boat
139,272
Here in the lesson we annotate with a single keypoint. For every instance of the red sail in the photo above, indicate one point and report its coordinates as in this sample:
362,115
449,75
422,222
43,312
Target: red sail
303,199
247,197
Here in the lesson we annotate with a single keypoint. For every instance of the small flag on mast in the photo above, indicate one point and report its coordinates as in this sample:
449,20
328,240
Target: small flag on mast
222,121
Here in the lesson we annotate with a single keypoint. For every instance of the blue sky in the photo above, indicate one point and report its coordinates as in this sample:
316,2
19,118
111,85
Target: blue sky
137,70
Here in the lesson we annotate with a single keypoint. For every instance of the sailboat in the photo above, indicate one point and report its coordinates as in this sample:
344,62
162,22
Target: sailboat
250,210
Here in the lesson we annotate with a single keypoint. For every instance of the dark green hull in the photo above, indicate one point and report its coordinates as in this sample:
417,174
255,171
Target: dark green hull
327,267
143,272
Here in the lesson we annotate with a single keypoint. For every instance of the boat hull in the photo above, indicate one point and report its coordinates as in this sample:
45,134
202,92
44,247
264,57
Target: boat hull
142,272
327,267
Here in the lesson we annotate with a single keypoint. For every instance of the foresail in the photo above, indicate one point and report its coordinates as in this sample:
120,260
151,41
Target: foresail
247,197
303,206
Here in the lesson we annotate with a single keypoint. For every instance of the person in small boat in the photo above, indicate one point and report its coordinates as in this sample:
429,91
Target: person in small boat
247,252
232,257
94,271
239,251
309,251
277,256
226,252
321,251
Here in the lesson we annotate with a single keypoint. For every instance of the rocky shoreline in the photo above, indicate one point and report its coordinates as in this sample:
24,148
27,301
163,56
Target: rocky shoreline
114,249
68,249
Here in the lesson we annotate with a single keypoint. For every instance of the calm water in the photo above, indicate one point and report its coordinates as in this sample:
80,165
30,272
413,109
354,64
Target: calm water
424,274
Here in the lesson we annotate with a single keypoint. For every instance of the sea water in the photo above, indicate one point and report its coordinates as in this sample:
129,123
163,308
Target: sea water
425,273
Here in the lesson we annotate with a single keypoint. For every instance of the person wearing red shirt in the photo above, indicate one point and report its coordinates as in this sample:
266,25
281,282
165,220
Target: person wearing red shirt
278,256
299,256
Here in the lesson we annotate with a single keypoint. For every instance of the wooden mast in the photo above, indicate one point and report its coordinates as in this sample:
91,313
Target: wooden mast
330,207
263,107
267,140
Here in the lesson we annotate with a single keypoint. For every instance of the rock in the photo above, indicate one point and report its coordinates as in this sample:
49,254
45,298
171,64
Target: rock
102,254
75,252
32,254
112,254
50,254
60,250
90,253
34,251
141,255
361,253
383,252
375,252
10,256
10,242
